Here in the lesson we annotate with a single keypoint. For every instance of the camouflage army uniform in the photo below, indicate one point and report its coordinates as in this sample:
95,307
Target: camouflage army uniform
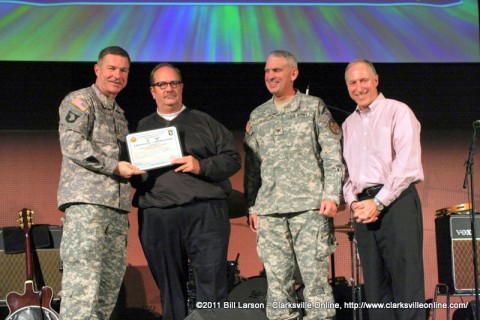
96,202
293,162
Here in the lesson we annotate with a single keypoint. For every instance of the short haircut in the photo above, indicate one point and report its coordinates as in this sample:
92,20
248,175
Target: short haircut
291,60
367,62
113,50
164,64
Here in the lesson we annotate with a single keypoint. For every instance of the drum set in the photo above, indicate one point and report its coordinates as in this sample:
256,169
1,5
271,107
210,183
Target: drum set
355,266
233,278
253,290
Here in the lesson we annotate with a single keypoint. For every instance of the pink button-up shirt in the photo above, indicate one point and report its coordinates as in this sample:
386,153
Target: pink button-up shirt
382,146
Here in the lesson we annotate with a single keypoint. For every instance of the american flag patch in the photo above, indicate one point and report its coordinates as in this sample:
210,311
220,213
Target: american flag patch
325,117
80,104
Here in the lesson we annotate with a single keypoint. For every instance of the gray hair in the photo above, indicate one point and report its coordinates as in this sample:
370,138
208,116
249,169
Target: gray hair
291,60
367,62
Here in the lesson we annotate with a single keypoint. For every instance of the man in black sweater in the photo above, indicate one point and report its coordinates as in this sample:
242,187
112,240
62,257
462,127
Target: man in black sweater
183,214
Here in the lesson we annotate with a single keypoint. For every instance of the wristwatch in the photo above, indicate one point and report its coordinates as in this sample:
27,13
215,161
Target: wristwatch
379,205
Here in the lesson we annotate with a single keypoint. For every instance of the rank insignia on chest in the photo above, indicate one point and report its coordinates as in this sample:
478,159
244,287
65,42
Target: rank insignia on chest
278,131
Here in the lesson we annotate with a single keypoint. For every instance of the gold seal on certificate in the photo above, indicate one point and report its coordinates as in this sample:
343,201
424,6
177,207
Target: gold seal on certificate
154,148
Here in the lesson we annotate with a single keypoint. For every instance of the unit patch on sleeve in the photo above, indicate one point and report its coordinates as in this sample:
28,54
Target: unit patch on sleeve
248,127
334,127
71,117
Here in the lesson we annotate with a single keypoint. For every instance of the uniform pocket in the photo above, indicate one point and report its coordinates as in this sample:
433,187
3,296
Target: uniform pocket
326,241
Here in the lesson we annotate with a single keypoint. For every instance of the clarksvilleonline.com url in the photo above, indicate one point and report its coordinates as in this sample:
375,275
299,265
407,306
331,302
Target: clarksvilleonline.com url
402,305
330,305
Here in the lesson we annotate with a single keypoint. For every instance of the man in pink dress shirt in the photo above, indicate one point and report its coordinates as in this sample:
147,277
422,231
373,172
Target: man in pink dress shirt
383,155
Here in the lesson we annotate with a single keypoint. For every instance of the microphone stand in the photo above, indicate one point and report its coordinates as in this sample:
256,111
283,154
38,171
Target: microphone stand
470,174
352,280
307,92
358,287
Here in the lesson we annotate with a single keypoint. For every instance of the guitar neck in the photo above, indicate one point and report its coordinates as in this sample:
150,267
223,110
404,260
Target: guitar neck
28,257
26,222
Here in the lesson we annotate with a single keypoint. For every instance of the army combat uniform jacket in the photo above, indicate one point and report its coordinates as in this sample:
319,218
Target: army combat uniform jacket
92,132
293,157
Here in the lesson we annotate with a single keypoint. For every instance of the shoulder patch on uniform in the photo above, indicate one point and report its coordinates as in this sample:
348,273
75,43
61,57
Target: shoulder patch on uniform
326,117
71,117
80,104
334,127
248,127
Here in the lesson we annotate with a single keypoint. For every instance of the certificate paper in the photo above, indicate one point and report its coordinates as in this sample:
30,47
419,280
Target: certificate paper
154,148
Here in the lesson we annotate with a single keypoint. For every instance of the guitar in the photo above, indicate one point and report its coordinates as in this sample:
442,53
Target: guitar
31,305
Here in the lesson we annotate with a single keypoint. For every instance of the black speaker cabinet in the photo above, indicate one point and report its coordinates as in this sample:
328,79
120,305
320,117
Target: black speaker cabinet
47,266
455,251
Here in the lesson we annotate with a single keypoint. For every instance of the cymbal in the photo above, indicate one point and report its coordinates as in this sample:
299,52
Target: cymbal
345,228
459,208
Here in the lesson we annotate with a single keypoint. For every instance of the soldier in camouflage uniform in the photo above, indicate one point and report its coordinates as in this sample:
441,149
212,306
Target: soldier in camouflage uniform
293,180
94,191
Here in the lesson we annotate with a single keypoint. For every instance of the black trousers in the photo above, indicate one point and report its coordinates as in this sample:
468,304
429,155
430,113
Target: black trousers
198,232
391,254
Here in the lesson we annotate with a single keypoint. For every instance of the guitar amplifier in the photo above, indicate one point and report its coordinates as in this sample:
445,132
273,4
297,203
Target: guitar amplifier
455,251
46,261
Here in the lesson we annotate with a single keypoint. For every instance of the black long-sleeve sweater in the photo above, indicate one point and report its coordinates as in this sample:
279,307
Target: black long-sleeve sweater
205,139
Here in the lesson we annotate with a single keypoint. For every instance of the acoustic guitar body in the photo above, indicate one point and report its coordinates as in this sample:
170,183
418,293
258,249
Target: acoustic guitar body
31,305
26,306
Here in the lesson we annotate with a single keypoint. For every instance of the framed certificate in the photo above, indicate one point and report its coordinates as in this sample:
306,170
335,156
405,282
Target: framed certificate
154,148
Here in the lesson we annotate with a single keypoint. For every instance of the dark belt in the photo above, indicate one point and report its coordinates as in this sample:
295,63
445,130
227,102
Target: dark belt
369,193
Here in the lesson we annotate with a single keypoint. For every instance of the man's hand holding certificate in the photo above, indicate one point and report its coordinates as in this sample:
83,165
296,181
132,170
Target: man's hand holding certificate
154,148
187,164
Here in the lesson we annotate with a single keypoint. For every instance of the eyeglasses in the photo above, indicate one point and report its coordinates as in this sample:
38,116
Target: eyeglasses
164,85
